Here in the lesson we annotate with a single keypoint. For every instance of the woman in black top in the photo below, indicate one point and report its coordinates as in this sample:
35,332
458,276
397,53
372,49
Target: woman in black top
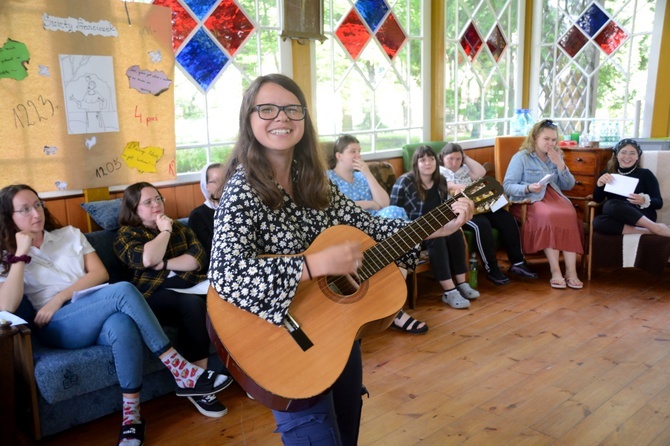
635,214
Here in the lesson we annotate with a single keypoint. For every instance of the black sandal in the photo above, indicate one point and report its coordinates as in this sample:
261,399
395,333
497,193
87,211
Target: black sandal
132,432
411,325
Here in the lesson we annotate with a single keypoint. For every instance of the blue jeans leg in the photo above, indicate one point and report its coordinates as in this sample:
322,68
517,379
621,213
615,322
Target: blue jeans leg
78,324
316,426
121,334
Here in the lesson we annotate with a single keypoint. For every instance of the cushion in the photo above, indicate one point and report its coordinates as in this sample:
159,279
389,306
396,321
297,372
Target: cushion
105,213
384,173
409,149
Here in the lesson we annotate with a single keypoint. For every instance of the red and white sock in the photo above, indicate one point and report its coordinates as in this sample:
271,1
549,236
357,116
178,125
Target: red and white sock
185,373
131,410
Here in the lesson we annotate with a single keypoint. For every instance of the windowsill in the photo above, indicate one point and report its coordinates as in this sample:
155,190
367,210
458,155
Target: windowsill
194,177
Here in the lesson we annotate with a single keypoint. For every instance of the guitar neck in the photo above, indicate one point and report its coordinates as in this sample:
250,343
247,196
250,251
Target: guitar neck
484,193
392,248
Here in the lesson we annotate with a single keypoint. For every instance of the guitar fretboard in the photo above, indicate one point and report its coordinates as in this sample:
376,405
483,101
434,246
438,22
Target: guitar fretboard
383,253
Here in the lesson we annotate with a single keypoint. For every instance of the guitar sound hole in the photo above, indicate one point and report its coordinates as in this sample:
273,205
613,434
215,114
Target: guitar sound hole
343,289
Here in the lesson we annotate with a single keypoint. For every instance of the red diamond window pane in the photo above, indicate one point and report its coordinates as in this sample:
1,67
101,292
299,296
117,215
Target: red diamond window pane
573,41
391,36
496,43
229,25
182,22
471,41
353,34
611,38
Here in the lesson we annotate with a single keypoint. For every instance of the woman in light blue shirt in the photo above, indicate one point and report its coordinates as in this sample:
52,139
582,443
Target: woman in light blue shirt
551,222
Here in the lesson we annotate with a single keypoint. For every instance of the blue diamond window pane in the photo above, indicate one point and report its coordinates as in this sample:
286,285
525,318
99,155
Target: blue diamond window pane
200,7
592,20
202,59
372,11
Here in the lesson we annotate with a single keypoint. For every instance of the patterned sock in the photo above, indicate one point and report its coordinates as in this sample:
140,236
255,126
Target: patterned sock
131,410
185,373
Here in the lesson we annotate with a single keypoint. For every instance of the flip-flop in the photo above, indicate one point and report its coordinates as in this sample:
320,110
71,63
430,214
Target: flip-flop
411,325
558,283
574,283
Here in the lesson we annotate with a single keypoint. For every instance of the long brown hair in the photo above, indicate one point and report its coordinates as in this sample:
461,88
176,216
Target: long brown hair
415,175
310,183
8,228
131,199
341,143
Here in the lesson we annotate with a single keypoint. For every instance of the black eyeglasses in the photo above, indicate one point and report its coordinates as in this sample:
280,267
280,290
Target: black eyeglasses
548,123
269,112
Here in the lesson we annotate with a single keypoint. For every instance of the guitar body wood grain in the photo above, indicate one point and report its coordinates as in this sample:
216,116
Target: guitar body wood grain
269,364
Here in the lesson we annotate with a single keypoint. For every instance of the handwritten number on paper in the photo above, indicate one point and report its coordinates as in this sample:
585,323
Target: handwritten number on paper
31,113
109,168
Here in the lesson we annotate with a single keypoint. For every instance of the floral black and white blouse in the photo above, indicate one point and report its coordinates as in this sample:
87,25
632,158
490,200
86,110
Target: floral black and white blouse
245,228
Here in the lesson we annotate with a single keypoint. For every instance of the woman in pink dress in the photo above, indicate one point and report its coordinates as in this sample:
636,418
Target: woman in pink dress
538,173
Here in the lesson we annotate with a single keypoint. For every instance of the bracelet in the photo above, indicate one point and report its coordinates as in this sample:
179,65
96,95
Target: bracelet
309,273
164,265
11,259
166,230
527,189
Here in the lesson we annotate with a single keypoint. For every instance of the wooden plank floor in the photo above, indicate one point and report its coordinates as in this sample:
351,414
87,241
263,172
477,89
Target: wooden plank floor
525,365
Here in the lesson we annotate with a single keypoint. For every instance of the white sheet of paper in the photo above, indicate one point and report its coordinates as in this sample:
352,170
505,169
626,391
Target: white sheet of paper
11,317
622,185
83,293
500,203
200,288
546,179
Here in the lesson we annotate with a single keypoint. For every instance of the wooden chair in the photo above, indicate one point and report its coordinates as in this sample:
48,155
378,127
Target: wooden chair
26,388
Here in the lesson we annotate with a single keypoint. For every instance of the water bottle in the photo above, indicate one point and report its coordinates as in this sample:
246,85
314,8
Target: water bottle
528,121
472,279
518,124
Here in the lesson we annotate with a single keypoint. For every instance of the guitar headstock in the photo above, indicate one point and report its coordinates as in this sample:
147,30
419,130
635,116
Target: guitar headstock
483,192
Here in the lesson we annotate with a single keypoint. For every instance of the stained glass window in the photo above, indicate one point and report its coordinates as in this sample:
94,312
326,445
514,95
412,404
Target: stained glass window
220,47
591,63
369,72
481,68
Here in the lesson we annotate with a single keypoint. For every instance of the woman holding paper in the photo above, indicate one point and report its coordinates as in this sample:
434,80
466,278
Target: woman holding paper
634,213
461,170
551,221
165,257
49,263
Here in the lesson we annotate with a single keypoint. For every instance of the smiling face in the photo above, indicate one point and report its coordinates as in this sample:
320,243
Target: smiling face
33,221
546,140
279,134
627,156
350,153
453,161
150,206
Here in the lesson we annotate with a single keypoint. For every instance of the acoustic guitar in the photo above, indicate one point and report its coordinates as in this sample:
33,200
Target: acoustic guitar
288,367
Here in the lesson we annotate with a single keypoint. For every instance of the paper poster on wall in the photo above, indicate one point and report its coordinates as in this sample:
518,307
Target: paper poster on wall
89,93
86,94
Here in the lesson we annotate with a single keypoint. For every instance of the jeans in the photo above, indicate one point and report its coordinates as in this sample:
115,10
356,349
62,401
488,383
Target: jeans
116,315
335,419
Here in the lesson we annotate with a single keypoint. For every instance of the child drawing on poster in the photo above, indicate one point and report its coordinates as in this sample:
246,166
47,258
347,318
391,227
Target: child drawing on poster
90,96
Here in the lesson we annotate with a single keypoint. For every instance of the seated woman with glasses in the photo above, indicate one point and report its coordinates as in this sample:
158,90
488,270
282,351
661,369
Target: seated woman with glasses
163,255
636,213
353,178
461,170
49,263
538,173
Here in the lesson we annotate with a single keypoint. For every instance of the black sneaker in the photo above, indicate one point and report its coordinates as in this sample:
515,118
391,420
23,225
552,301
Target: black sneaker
209,382
522,270
496,276
208,405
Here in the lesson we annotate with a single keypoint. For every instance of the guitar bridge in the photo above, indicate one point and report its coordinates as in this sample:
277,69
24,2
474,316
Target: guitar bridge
296,333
